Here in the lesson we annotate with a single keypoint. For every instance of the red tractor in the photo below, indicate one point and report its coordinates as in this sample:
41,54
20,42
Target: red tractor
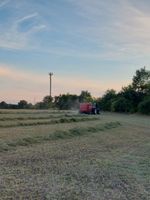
89,108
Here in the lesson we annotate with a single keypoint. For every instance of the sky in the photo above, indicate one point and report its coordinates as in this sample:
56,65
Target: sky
91,45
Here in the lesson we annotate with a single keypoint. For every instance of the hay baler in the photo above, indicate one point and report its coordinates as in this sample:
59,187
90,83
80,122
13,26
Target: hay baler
89,108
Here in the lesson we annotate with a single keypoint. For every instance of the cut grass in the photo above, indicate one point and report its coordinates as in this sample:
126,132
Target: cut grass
89,160
18,112
14,117
5,146
56,121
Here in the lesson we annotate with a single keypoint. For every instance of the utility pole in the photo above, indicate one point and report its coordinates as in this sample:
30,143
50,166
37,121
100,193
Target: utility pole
50,88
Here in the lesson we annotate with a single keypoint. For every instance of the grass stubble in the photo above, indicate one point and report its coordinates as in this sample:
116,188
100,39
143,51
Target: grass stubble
104,159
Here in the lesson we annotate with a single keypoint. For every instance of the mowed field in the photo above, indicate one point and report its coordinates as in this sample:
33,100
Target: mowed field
62,155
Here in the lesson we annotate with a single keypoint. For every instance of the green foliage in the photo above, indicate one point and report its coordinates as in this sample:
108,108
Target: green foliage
134,97
66,101
3,105
22,104
144,106
48,101
141,80
40,105
71,101
85,96
121,105
128,99
107,99
45,104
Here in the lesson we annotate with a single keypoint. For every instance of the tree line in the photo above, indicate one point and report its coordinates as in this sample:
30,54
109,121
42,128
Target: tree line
62,102
131,99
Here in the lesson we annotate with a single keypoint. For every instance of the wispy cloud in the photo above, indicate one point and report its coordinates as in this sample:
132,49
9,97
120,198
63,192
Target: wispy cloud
13,35
27,17
119,28
103,30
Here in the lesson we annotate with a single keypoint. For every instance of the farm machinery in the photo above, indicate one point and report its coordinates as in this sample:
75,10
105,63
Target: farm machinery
89,108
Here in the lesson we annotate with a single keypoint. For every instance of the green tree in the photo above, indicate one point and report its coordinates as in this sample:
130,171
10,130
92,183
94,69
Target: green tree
47,99
22,104
144,106
3,105
48,102
121,104
134,97
107,99
66,101
39,105
141,80
85,96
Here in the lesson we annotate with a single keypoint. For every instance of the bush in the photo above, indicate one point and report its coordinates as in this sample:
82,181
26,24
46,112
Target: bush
144,106
121,105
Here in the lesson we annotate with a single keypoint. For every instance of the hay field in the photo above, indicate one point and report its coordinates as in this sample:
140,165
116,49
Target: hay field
61,155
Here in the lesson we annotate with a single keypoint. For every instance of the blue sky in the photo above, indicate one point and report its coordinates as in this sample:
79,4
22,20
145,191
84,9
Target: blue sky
89,45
